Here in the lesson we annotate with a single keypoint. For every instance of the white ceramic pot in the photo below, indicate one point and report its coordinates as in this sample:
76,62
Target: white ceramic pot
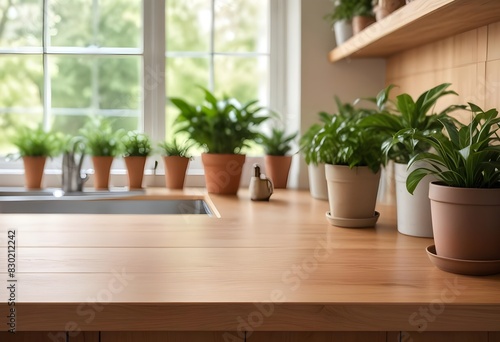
413,211
352,193
317,181
343,31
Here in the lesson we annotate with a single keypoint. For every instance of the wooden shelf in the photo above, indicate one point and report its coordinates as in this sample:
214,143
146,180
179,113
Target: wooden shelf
418,23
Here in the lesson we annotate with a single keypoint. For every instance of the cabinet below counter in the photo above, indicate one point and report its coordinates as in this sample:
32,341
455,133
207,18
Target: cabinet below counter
275,270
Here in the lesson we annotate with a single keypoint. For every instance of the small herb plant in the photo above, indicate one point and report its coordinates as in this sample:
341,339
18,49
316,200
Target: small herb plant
402,120
363,8
342,10
343,141
467,157
136,144
306,141
100,137
36,142
221,126
175,149
278,143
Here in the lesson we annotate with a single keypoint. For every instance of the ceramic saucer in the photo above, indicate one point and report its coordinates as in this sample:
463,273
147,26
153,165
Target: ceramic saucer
467,267
353,223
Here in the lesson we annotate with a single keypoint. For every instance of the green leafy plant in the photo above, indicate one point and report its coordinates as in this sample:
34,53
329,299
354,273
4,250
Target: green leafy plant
343,141
402,120
277,143
174,148
219,125
36,142
342,10
306,141
136,144
363,8
100,137
467,157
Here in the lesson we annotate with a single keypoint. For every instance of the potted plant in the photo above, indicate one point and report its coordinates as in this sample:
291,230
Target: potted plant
353,160
103,144
315,166
465,201
363,15
176,159
400,121
382,8
136,149
340,19
276,146
223,128
34,146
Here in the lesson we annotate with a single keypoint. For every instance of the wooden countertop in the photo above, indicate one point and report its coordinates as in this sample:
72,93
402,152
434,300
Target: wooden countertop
193,272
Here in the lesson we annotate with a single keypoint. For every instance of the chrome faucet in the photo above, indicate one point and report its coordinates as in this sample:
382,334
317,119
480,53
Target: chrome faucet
72,179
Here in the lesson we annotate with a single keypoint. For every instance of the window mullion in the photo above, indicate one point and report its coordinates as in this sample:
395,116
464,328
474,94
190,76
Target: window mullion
212,48
153,81
47,89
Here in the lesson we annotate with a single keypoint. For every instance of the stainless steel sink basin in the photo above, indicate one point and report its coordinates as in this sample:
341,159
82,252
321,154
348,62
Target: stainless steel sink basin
49,201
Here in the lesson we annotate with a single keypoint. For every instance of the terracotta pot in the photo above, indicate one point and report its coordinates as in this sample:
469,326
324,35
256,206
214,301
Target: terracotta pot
102,168
33,171
413,211
359,23
277,169
223,172
466,222
175,171
386,7
317,181
135,171
352,193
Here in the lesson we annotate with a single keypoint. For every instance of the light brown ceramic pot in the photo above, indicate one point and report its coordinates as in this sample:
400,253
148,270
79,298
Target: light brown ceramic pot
465,222
33,171
386,7
359,23
277,169
135,171
175,171
102,168
352,193
223,172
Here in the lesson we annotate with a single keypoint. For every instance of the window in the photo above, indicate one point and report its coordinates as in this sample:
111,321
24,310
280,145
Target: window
61,61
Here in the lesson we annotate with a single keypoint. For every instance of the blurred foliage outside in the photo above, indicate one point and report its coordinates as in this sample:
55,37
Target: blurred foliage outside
82,85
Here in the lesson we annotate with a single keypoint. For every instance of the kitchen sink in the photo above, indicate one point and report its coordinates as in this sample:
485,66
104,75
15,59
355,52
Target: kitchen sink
53,201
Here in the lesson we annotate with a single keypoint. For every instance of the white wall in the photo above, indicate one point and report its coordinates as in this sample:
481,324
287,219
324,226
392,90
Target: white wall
313,80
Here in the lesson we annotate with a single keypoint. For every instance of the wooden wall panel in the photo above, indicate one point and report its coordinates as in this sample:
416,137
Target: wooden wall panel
470,61
85,337
494,336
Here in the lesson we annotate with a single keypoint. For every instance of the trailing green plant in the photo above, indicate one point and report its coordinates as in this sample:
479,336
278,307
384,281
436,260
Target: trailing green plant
100,137
343,141
467,157
219,125
175,149
342,10
277,143
400,120
36,142
136,144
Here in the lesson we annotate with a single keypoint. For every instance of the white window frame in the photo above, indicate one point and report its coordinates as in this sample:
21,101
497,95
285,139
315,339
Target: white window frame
153,85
